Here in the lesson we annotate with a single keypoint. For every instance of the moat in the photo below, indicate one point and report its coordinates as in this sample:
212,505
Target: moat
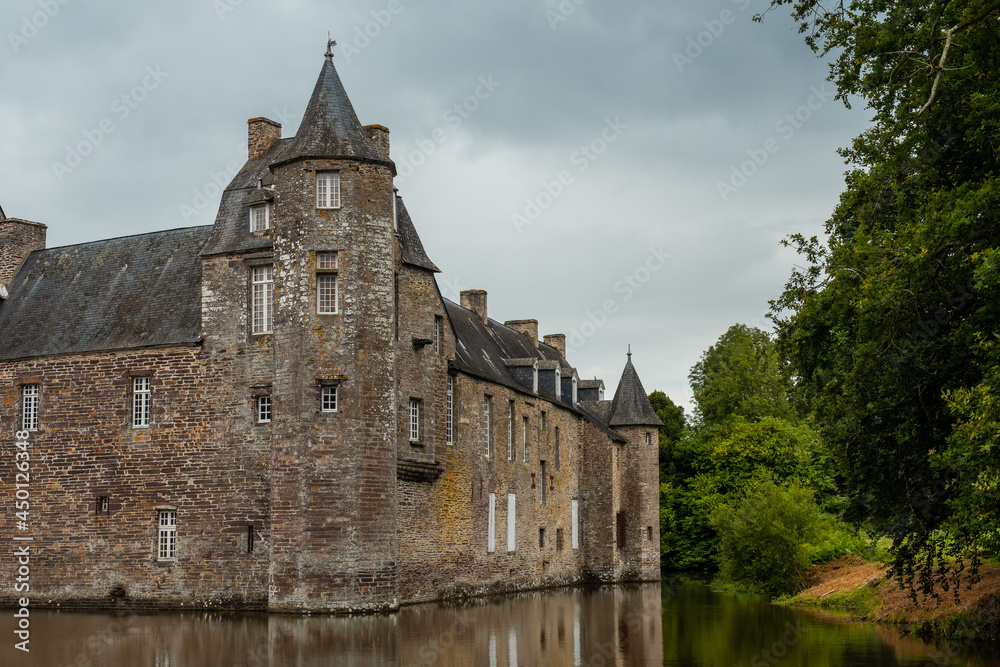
686,624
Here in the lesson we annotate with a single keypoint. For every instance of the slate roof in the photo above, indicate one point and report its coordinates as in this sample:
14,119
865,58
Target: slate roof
411,249
483,350
131,292
590,384
231,233
330,128
631,406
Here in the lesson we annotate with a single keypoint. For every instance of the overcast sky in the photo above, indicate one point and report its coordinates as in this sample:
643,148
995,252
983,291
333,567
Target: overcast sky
575,159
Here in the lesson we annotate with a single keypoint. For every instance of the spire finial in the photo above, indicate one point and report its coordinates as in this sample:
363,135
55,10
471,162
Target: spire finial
630,351
330,43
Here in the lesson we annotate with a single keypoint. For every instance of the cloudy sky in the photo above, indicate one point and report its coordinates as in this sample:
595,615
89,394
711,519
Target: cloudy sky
621,172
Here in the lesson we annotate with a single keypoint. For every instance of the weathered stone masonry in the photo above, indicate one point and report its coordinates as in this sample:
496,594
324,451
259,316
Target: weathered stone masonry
304,444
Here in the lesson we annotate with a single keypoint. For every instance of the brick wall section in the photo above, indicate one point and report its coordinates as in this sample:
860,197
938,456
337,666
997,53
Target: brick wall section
86,447
18,238
261,135
601,493
333,474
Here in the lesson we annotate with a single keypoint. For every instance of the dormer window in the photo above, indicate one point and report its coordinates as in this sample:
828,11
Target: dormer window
328,189
260,218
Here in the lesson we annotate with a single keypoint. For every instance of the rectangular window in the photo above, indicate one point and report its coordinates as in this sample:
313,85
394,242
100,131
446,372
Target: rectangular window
438,332
260,218
510,431
541,539
167,542
491,538
620,530
103,505
487,415
414,420
140,402
328,189
263,299
649,438
541,423
558,451
511,522
263,409
559,539
450,422
524,438
543,486
649,533
327,284
328,400
250,539
575,532
30,395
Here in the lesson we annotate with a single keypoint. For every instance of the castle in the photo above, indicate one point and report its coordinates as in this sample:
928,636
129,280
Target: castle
280,411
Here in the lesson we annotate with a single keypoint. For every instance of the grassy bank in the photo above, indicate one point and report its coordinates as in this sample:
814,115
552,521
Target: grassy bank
862,589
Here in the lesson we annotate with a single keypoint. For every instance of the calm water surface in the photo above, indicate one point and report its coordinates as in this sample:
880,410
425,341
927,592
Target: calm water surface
686,624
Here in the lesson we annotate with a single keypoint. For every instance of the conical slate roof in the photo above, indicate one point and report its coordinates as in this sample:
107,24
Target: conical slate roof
330,128
631,406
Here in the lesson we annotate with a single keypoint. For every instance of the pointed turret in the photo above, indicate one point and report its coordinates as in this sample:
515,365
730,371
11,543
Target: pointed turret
330,128
631,406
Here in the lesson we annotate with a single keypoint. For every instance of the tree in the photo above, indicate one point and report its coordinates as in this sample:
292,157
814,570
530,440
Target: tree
670,413
741,375
885,326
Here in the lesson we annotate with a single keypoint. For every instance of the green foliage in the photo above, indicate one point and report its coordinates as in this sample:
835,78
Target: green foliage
888,327
764,538
741,375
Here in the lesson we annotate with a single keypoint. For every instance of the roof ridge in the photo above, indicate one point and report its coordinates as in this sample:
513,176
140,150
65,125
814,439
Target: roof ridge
129,236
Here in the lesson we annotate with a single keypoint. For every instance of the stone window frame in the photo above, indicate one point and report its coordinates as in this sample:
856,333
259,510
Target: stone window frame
525,424
511,522
487,425
164,531
510,430
102,505
324,272
256,394
322,384
438,334
326,198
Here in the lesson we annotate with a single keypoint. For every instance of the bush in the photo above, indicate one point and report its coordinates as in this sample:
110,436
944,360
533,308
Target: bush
766,538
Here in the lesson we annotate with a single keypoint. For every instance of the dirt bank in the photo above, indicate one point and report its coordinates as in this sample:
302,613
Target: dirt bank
862,589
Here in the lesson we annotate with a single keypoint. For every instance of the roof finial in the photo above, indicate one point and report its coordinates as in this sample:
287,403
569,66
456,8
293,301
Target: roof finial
330,43
630,351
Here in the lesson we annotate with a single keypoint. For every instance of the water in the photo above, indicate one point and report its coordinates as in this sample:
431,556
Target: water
627,625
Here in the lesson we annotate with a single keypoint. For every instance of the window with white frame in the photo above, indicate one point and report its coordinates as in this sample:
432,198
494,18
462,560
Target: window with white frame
264,409
262,279
450,421
487,415
141,396
260,218
576,524
438,332
30,395
167,535
414,420
558,450
327,287
328,189
328,398
524,438
491,538
511,522
510,431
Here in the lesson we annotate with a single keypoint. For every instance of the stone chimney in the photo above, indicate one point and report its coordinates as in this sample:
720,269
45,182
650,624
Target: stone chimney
262,135
557,341
380,135
18,238
475,300
528,327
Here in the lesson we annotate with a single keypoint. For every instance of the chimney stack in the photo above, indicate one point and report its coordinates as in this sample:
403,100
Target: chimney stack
262,135
380,135
18,238
475,300
557,341
528,327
